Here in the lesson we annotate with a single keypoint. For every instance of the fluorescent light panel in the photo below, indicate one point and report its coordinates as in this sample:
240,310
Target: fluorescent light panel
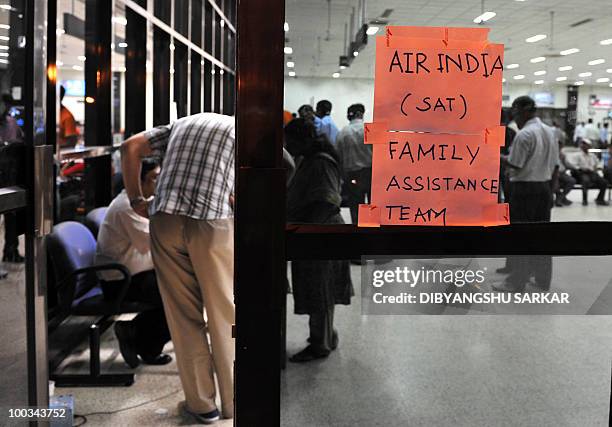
484,17
536,38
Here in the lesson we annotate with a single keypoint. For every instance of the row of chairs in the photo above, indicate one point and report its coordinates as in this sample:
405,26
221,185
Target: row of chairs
71,249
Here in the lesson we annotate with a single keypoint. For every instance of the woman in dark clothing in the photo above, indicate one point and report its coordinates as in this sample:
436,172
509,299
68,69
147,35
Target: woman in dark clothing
314,197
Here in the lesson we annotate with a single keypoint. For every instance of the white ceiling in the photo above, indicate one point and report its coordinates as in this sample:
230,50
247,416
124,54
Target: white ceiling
514,22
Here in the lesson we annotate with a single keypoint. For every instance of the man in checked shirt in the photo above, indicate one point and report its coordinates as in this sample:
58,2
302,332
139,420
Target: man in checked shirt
192,243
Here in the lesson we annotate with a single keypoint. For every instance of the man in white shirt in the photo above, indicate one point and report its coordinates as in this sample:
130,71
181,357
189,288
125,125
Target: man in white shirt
534,157
356,158
591,132
579,132
585,172
124,238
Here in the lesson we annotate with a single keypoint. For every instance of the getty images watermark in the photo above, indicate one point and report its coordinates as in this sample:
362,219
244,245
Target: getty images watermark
512,285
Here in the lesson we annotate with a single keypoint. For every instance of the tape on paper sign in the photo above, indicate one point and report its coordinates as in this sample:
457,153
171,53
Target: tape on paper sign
369,216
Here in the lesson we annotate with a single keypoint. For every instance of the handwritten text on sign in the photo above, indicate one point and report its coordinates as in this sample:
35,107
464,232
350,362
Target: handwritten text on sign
437,179
435,88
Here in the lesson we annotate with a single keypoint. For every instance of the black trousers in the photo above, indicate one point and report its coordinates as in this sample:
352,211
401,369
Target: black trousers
321,326
566,184
358,185
531,202
590,179
151,328
11,238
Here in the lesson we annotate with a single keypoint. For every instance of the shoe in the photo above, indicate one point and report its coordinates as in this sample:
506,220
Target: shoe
503,270
335,340
160,359
207,418
558,203
125,336
566,201
308,354
601,203
507,287
13,257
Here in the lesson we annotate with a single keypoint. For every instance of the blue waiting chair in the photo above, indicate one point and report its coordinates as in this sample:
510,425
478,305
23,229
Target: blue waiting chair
94,220
71,249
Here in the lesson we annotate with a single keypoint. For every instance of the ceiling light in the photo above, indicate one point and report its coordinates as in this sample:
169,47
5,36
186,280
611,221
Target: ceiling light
609,70
539,82
4,61
3,47
123,44
286,27
565,68
597,61
119,20
290,64
4,54
484,17
587,74
291,73
288,50
81,58
608,85
355,53
537,59
60,31
336,75
603,80
6,7
5,38
561,79
503,80
372,30
539,73
569,51
535,38
579,83
5,27
605,42
342,67
77,67
519,77
511,66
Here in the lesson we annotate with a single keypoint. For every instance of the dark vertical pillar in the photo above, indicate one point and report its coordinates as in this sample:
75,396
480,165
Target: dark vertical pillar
52,105
196,83
38,215
260,212
161,77
136,71
98,36
180,78
207,77
572,105
208,47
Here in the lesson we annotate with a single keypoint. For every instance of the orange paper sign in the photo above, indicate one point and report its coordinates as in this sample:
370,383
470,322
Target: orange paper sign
437,84
436,134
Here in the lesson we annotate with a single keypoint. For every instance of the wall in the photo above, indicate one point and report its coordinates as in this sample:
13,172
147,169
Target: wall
345,91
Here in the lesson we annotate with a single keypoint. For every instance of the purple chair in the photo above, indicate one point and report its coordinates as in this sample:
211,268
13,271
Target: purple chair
71,249
94,220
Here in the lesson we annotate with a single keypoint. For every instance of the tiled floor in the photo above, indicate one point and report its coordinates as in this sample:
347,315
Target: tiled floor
409,370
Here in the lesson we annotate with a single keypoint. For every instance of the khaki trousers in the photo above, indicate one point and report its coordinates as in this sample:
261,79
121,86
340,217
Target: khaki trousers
194,262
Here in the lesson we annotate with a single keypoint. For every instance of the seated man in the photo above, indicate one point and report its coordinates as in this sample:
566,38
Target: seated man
124,238
566,182
586,174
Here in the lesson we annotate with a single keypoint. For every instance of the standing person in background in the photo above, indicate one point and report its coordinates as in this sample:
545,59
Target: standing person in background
586,174
69,133
566,182
579,133
313,196
192,243
10,133
560,135
325,125
535,157
591,132
356,159
603,135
